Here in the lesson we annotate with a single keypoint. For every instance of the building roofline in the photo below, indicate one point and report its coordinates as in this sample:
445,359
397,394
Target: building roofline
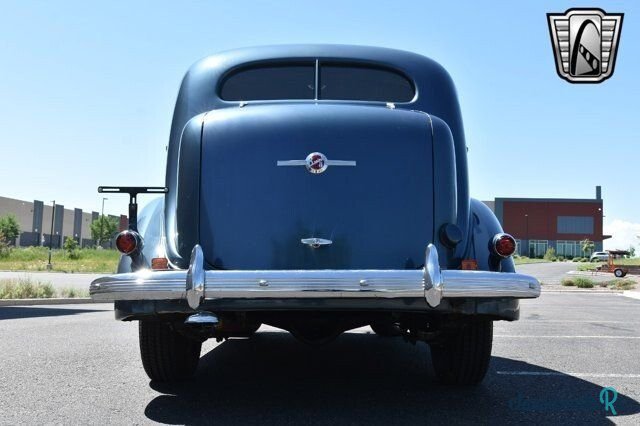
551,200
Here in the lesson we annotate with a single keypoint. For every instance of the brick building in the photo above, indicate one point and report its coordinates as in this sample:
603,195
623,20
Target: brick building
560,223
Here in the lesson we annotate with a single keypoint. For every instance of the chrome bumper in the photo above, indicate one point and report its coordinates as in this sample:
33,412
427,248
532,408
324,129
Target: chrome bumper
197,285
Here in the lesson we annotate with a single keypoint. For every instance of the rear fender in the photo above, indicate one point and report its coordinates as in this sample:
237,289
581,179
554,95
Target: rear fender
150,221
484,226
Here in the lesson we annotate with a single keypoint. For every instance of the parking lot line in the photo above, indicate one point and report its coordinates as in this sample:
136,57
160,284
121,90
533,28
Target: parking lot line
579,321
557,373
563,337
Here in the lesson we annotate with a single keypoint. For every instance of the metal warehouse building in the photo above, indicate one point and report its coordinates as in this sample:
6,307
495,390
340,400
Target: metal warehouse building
34,219
561,223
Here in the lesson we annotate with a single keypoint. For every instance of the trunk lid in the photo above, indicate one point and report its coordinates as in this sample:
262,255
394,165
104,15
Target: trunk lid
256,205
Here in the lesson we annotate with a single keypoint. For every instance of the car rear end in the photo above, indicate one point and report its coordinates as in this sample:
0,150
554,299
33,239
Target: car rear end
318,216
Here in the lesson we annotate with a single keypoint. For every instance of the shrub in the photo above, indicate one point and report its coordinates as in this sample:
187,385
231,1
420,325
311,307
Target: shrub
575,259
584,282
5,248
71,248
579,282
625,284
25,288
561,258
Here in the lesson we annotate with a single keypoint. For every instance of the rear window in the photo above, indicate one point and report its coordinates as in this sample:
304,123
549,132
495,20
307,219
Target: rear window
362,83
336,81
269,82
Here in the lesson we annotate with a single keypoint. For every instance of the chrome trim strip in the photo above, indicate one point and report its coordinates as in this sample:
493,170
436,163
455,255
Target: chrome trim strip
327,162
340,163
316,81
291,163
316,242
197,284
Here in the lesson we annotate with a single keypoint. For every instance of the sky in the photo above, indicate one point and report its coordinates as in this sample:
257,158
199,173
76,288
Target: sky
87,91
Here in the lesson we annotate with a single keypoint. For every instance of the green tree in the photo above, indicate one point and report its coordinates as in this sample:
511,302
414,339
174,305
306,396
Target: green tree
103,229
632,251
550,254
587,246
9,228
71,247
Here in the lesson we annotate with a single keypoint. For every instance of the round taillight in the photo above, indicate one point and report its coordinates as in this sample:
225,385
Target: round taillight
504,245
128,241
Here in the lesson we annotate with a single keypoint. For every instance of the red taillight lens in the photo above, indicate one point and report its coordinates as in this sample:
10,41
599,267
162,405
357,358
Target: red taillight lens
504,245
127,242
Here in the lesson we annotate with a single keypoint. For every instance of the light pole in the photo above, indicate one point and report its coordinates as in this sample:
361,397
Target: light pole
101,221
526,233
53,215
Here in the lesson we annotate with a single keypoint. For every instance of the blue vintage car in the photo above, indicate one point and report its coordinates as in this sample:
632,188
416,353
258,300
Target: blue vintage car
315,188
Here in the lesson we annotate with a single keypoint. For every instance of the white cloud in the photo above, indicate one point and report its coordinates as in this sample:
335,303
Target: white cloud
623,234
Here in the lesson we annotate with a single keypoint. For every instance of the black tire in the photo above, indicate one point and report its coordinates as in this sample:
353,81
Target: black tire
462,358
166,354
619,273
385,329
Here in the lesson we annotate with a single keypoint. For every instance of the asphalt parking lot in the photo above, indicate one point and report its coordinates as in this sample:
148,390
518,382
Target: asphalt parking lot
550,272
76,364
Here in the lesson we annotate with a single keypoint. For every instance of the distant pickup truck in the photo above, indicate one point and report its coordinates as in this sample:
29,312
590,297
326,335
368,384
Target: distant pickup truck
318,189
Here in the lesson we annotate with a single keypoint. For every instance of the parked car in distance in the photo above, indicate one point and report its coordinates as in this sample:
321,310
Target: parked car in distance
599,256
315,188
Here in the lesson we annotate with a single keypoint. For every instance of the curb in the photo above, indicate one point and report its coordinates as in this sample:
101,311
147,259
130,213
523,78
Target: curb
51,301
634,294
585,291
26,271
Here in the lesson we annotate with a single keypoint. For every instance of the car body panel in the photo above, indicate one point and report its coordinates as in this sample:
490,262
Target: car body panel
435,95
376,214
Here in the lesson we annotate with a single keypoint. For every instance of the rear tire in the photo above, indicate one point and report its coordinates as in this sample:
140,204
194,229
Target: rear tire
619,273
166,354
462,358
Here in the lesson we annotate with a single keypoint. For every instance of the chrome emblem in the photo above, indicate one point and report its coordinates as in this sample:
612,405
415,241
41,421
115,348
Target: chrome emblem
316,242
585,43
316,163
